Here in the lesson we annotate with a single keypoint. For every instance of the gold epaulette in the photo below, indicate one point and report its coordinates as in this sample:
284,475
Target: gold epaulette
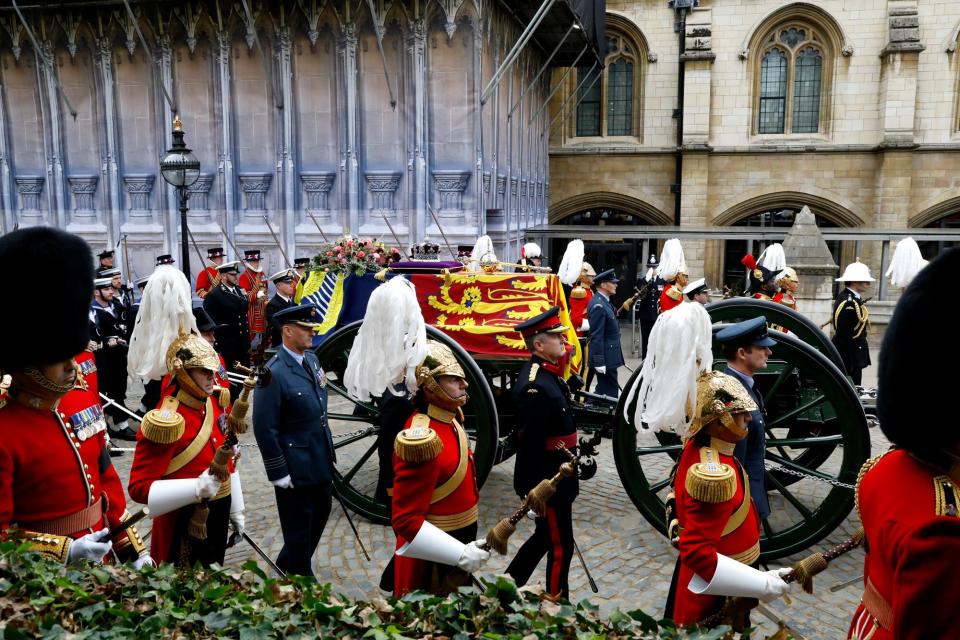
947,496
711,480
578,293
869,464
164,425
418,443
533,371
224,396
674,292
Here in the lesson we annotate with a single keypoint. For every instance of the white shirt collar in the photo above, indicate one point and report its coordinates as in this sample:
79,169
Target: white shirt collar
296,356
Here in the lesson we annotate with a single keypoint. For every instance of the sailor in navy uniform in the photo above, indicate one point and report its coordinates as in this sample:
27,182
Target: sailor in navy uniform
111,356
285,282
227,305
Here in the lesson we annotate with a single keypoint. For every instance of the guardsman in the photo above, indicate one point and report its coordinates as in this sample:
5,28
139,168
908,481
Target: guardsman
545,420
606,353
746,347
851,323
228,306
762,272
285,283
673,271
254,284
171,471
210,277
717,528
530,256
909,498
290,423
111,357
580,297
300,267
789,284
57,484
166,258
697,291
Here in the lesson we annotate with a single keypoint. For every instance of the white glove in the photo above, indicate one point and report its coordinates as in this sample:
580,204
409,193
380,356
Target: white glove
237,522
585,325
776,586
207,486
144,561
600,369
283,483
261,295
92,547
473,557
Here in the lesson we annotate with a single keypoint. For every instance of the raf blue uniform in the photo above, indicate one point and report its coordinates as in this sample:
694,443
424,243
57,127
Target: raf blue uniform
751,451
290,424
605,349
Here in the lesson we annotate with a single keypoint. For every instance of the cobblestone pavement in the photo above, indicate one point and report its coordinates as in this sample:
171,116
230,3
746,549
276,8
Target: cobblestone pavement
631,563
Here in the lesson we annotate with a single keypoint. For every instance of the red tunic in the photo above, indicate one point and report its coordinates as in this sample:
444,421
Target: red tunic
207,280
151,460
53,464
701,532
909,514
414,487
253,282
670,297
578,310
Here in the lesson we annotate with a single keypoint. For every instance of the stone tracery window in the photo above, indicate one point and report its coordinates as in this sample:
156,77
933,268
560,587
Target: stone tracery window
611,106
792,86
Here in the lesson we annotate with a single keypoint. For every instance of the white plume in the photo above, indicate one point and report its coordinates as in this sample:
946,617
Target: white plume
531,250
773,258
572,263
906,264
672,261
678,350
391,343
483,246
166,311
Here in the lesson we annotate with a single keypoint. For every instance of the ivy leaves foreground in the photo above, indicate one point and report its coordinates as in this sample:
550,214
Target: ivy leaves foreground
39,598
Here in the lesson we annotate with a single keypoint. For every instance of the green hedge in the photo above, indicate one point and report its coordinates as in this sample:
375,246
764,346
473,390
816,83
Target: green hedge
39,598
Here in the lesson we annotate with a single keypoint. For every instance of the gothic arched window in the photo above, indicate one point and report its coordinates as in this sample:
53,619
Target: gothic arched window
609,100
792,85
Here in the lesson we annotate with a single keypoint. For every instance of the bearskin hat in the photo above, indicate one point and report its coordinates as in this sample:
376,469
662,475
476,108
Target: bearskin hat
57,326
913,397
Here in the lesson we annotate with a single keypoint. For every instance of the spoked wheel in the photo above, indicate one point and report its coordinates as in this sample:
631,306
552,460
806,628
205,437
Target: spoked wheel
737,309
817,440
355,426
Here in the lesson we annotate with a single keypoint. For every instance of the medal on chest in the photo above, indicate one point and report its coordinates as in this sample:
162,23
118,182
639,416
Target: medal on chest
88,422
87,367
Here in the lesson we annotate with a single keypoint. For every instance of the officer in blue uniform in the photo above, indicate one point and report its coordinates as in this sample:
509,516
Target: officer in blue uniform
290,424
605,351
746,347
544,420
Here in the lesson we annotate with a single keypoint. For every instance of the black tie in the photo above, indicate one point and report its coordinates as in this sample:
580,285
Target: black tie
306,367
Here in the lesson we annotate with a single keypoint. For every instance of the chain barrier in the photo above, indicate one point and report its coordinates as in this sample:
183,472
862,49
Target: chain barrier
800,474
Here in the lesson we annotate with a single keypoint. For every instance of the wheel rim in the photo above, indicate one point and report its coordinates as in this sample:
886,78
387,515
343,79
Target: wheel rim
736,309
355,425
807,509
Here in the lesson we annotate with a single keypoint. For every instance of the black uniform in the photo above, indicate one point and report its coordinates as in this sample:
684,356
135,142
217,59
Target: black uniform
649,307
276,304
851,326
544,419
228,308
111,360
125,309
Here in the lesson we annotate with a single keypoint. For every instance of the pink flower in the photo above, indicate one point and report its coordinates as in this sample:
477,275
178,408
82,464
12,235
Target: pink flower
339,248
349,243
343,261
329,253
360,254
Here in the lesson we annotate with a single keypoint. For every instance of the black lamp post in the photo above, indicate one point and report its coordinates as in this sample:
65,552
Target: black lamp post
180,168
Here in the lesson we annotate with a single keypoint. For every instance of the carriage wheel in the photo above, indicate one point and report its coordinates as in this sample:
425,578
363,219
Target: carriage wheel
737,309
812,413
355,425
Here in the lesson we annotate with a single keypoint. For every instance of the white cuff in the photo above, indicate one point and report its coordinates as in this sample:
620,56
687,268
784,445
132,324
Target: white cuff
731,578
169,495
432,544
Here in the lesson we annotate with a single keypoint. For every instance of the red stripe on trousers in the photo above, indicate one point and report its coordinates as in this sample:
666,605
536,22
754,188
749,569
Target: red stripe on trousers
554,577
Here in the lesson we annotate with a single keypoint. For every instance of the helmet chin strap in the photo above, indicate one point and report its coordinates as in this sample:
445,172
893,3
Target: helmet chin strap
36,376
446,401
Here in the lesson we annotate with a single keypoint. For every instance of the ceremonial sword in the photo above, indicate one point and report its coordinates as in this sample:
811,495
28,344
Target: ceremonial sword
235,537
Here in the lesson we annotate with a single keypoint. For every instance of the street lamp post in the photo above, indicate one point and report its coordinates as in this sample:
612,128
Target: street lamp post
180,168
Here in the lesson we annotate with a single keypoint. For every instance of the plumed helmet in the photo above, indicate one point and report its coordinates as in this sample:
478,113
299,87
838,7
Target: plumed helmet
913,396
672,261
439,361
588,270
190,351
788,274
906,263
719,396
856,272
531,250
58,326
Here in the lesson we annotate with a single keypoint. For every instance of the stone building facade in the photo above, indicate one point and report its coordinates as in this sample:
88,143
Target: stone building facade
298,115
851,108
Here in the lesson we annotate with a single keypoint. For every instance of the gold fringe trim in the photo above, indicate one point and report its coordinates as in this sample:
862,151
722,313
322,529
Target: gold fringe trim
498,536
578,293
224,395
218,466
454,521
675,292
717,484
197,527
804,570
164,425
539,495
417,444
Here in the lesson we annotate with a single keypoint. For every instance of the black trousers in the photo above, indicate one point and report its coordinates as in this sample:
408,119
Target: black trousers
188,550
303,515
646,326
607,383
554,538
112,378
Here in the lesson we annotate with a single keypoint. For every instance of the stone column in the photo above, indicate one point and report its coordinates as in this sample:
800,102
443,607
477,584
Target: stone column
807,253
56,183
416,47
316,189
109,163
84,187
8,199
29,189
450,186
286,156
226,164
349,158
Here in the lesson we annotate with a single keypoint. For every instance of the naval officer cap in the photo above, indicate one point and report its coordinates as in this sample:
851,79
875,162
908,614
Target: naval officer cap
748,332
697,286
546,322
609,275
287,275
229,267
304,315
